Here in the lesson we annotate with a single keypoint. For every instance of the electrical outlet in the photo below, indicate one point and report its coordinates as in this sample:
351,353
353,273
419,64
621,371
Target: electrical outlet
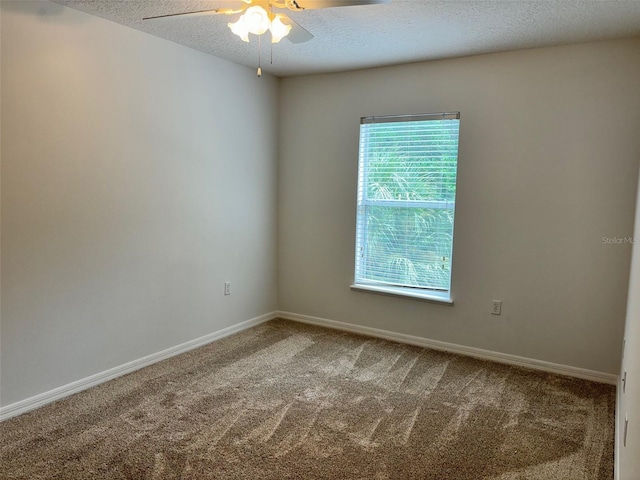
227,288
496,307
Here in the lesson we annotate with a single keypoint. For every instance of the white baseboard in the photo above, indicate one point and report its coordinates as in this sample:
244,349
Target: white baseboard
42,399
616,433
505,358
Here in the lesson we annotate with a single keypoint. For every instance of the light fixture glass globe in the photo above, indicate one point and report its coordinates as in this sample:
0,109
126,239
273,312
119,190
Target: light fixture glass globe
256,19
278,29
240,29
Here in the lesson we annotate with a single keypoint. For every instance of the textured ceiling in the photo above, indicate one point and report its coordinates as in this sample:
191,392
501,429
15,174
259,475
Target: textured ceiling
402,31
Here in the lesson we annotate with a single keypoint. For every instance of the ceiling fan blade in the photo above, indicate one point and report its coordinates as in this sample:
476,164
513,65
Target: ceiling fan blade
316,4
298,34
199,13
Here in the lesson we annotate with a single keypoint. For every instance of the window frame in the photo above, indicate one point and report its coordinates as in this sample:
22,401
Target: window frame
384,288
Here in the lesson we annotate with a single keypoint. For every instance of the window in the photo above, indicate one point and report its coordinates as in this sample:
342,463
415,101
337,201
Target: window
406,203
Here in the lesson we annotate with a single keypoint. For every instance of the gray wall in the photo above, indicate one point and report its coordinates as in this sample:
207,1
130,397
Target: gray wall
629,398
137,176
548,167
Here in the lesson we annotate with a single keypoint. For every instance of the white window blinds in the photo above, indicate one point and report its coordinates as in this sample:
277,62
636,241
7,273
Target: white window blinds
406,200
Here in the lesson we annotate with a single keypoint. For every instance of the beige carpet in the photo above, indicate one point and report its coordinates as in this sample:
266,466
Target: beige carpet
289,401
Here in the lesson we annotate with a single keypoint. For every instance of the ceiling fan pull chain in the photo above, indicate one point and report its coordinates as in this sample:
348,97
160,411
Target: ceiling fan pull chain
259,55
271,16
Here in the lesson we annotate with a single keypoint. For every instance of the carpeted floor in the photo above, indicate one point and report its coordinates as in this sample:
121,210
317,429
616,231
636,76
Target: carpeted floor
290,401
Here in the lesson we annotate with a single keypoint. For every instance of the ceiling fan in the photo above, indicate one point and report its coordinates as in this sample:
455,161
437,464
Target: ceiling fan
258,17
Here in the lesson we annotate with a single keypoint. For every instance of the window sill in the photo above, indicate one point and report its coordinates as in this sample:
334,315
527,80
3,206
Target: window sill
434,297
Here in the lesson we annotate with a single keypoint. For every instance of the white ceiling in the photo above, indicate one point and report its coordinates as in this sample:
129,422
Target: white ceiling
402,31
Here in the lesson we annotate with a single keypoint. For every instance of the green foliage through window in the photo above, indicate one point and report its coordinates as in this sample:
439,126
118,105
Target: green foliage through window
406,200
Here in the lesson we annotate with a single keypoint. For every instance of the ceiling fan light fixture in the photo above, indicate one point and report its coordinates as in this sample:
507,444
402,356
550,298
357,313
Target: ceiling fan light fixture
256,20
278,29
